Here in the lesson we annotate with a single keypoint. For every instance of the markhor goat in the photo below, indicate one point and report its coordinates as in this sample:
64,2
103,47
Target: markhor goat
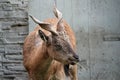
49,51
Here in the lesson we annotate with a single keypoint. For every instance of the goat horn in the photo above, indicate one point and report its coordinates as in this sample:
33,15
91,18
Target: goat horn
37,21
57,13
44,25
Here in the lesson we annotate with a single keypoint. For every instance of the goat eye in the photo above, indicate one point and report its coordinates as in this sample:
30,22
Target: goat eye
58,47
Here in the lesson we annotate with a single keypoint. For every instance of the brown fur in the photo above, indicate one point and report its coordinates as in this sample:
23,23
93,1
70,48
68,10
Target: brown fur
42,66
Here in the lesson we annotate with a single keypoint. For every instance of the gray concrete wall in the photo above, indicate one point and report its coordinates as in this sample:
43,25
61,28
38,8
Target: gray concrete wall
96,24
13,30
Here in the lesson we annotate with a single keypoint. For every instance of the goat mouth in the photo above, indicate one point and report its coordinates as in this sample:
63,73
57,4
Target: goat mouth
73,61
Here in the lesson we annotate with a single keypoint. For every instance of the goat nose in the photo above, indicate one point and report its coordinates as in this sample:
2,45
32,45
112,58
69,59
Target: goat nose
76,57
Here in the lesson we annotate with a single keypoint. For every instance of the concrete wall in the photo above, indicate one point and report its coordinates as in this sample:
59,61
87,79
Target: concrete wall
13,30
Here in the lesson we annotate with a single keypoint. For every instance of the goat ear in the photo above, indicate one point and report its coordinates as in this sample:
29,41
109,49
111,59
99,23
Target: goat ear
43,36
